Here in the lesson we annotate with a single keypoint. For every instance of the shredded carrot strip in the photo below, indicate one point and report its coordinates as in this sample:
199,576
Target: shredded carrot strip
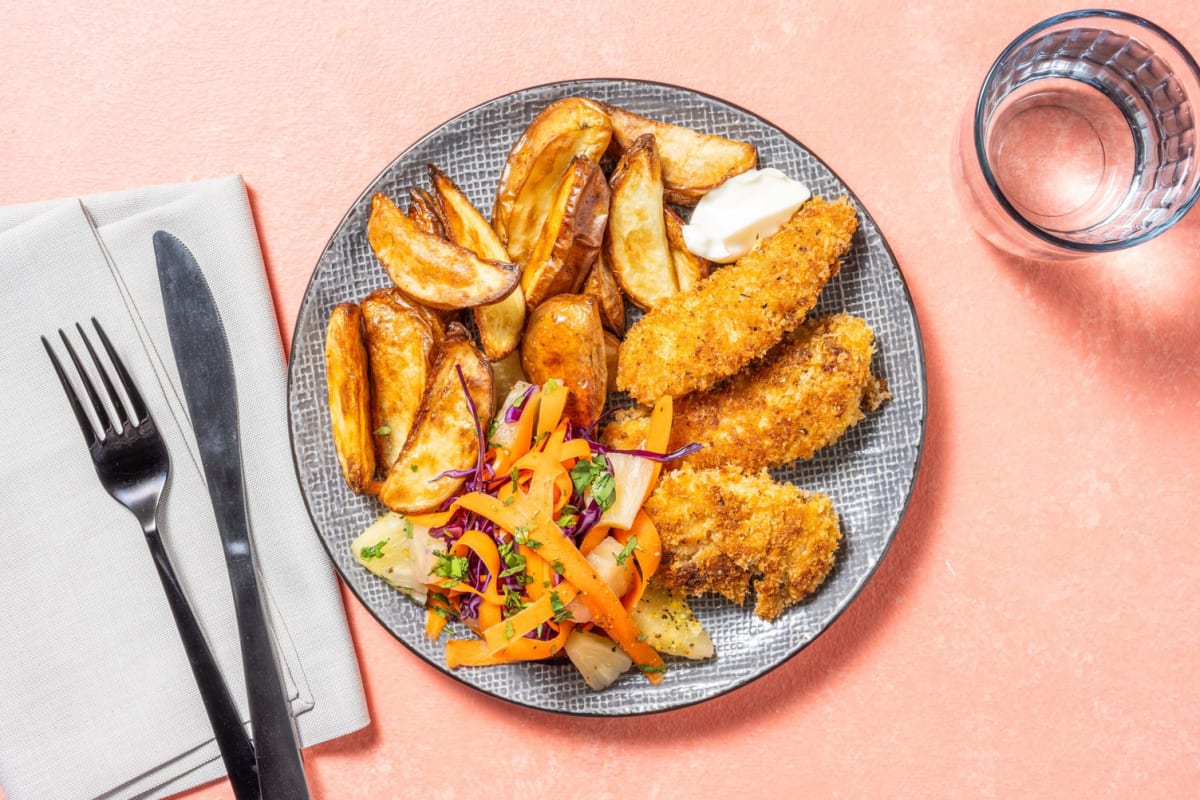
474,652
435,519
434,623
647,554
523,435
501,635
606,608
658,436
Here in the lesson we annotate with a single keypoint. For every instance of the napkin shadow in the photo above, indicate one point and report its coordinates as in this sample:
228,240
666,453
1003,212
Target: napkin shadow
1132,317
849,640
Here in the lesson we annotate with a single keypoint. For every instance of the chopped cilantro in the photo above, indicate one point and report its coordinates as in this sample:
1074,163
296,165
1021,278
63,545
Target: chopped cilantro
568,518
521,534
449,566
373,551
593,473
627,551
408,528
383,430
551,385
558,567
512,498
652,668
508,630
414,468
561,612
641,637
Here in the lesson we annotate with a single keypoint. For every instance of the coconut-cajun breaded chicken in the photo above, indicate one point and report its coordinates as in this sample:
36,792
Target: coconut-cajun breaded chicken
694,339
801,397
727,531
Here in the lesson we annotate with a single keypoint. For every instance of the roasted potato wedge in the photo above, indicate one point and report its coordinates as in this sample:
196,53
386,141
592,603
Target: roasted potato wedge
430,269
425,211
693,163
690,268
564,340
612,346
401,340
499,324
573,126
349,383
601,286
570,240
636,243
445,436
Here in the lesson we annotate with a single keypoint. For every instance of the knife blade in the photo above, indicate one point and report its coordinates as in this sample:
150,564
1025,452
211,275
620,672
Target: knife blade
205,367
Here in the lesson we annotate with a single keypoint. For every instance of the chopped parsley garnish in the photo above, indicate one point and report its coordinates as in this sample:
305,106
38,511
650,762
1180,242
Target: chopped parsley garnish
508,630
558,567
414,467
493,426
512,600
593,473
512,498
521,534
561,612
373,551
568,518
408,528
627,551
383,430
652,668
514,561
641,637
551,385
449,566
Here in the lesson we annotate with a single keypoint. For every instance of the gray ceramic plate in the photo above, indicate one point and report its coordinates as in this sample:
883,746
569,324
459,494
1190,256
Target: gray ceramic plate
869,473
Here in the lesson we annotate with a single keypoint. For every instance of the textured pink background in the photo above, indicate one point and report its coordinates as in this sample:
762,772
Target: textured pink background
1034,630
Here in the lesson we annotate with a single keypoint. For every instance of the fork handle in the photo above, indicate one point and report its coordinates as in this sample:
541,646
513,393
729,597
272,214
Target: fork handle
236,750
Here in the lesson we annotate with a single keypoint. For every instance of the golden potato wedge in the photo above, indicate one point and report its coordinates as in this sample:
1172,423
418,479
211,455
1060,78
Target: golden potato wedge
401,340
346,372
425,211
601,286
612,346
566,248
636,242
445,436
690,268
573,126
565,341
432,270
693,163
500,324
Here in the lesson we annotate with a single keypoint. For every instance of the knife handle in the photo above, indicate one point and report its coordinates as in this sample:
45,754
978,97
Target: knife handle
232,741
280,766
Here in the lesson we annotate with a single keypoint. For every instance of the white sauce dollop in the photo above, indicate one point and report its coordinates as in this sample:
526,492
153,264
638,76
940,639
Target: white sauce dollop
731,218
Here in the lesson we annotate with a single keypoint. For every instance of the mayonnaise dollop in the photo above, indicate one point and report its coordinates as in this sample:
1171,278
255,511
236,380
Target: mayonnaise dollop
731,218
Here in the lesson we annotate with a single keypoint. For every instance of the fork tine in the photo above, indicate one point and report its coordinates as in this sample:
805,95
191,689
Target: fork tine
135,397
118,406
85,424
101,414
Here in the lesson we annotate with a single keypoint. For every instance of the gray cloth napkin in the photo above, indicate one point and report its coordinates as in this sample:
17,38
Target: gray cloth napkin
96,696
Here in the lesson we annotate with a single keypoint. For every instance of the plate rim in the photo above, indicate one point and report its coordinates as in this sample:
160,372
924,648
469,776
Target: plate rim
855,590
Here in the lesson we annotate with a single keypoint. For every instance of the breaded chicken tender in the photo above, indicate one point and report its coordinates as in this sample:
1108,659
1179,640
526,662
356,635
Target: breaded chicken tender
804,395
727,531
694,339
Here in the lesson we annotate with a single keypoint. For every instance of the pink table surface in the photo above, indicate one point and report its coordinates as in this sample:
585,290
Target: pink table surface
1033,631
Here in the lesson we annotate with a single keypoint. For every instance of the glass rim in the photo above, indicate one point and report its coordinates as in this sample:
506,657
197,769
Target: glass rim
981,156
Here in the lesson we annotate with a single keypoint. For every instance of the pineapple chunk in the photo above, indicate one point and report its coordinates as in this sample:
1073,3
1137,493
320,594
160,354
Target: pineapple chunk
669,625
618,576
632,476
600,660
399,552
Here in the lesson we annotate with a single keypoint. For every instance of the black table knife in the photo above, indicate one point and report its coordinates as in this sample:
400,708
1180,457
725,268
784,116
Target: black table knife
206,371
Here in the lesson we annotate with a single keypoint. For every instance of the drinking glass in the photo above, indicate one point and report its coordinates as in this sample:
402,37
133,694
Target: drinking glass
1083,137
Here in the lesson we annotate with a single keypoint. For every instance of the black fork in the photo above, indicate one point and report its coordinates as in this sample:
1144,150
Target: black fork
132,463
